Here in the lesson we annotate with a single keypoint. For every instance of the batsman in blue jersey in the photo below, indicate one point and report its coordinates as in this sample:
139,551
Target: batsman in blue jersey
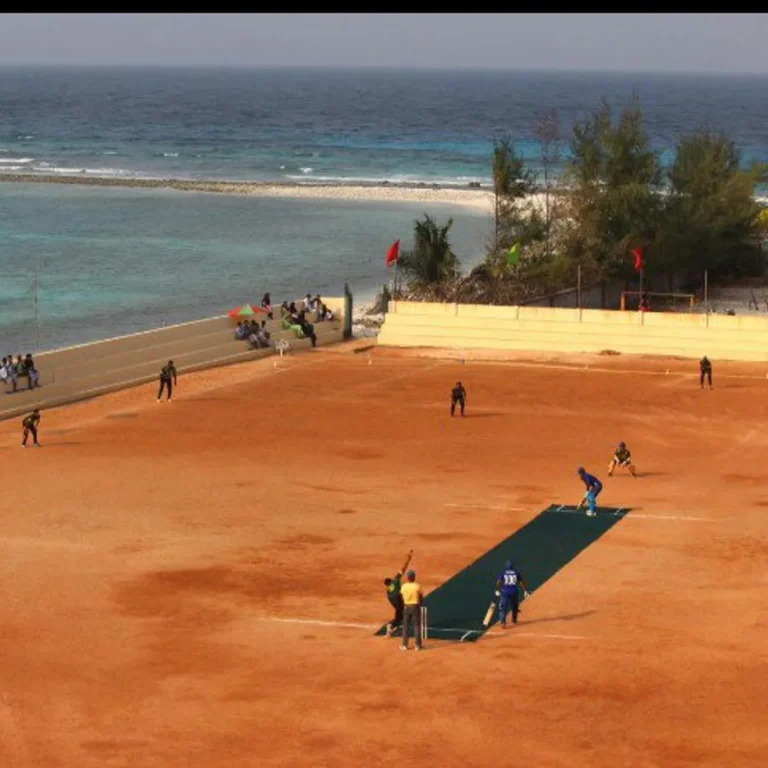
508,591
594,486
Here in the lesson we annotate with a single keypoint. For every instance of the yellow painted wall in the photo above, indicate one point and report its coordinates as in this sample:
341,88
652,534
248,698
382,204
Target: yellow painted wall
559,329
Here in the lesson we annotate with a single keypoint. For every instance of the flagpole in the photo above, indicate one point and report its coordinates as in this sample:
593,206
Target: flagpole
706,295
37,313
578,288
642,313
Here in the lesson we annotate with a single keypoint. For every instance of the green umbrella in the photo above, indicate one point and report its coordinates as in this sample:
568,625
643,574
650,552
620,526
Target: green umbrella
245,311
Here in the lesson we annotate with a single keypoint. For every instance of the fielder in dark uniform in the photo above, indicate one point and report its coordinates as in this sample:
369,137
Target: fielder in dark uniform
705,369
394,596
507,590
622,458
29,424
167,379
458,395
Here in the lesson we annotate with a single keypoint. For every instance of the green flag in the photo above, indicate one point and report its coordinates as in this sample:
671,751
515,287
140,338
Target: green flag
513,257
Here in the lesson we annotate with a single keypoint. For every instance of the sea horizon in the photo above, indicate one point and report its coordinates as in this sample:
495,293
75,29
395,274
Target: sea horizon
385,68
129,253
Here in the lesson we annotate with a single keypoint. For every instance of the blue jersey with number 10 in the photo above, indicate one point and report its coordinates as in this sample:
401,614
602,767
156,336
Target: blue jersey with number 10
509,580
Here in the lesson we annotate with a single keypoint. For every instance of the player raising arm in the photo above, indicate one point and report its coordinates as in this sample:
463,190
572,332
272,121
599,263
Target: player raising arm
394,596
594,486
622,458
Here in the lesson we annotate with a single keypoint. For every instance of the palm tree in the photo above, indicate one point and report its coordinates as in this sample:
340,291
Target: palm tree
431,260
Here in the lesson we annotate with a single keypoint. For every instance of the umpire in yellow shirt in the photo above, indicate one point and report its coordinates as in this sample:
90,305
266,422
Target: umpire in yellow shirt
412,597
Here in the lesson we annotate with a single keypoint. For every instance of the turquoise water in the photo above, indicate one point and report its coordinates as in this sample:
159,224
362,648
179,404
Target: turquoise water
114,261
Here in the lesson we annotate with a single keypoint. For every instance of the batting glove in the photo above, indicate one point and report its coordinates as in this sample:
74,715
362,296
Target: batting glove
498,594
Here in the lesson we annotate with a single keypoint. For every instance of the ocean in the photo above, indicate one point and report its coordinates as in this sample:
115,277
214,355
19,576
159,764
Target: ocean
110,261
114,260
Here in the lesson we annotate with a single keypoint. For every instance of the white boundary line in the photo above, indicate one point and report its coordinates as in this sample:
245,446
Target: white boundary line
467,632
486,506
547,636
318,623
561,510
634,516
592,368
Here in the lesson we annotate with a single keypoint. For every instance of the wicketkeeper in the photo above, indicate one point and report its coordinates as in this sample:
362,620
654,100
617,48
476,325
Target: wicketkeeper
622,458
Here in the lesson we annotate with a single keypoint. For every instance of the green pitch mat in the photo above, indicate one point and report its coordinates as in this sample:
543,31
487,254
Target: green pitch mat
539,550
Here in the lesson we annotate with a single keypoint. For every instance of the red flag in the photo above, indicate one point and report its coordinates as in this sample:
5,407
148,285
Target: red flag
639,260
393,254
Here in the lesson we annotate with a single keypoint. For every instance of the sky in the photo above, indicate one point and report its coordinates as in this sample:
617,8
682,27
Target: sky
705,43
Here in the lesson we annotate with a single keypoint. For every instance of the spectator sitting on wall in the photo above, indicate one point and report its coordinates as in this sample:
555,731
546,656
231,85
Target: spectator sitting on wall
264,334
292,308
10,372
3,372
325,312
21,366
258,338
284,309
239,331
645,303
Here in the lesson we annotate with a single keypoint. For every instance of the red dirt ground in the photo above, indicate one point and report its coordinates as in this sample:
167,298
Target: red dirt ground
147,550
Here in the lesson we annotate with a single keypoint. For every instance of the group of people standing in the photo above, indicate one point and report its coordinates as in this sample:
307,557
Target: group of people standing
407,600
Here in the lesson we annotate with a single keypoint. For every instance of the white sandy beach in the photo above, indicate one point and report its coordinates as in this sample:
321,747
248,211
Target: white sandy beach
476,199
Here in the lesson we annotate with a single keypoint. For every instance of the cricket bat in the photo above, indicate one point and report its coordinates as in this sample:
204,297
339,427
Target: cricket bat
489,613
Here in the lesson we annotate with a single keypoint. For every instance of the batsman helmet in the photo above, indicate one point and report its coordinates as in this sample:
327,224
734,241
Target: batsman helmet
622,445
580,471
509,565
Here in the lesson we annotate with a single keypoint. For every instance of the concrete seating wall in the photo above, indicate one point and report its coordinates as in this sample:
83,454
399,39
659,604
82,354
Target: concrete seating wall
87,369
555,329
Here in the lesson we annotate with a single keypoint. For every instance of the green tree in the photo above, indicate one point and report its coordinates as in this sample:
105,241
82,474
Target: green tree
431,259
614,180
710,218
